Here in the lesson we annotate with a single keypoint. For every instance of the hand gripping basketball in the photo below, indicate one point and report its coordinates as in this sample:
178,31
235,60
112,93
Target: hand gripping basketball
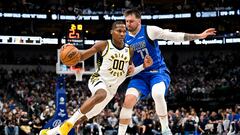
69,55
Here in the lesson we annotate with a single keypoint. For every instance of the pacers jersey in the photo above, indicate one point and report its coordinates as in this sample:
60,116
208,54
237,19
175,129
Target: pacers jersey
142,46
114,66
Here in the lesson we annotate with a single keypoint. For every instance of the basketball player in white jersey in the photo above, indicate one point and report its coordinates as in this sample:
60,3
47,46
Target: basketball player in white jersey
115,67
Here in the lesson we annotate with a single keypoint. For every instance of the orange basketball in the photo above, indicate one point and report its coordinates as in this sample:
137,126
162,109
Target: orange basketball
69,55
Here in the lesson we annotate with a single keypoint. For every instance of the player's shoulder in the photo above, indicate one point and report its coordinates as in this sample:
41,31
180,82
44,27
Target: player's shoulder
127,45
101,45
102,42
152,31
152,27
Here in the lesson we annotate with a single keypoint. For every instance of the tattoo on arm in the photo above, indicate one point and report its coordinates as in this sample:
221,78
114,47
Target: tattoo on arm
190,37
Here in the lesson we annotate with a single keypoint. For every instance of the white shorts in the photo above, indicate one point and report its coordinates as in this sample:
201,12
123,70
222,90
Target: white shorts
96,82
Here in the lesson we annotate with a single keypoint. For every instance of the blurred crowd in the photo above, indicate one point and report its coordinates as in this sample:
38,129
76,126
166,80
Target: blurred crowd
213,81
227,26
83,7
27,100
8,58
204,77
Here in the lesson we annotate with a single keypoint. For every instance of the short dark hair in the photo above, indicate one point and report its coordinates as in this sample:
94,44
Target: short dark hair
135,12
117,23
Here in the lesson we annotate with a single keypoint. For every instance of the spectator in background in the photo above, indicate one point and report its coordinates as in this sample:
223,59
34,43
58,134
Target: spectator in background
203,120
176,122
213,119
11,127
112,122
147,126
1,104
189,126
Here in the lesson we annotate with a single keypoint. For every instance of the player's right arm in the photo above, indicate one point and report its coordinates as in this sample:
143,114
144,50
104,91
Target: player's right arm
135,70
97,47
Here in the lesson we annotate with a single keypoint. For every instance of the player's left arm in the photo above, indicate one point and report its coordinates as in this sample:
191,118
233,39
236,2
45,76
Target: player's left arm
204,34
155,32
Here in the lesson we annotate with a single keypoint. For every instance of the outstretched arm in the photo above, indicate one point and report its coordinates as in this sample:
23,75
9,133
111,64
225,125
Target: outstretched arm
155,32
206,33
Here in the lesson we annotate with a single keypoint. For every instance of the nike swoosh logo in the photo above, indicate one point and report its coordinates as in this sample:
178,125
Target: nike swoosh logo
140,37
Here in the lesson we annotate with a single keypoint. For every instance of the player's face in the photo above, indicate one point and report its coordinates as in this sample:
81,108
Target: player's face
132,23
119,33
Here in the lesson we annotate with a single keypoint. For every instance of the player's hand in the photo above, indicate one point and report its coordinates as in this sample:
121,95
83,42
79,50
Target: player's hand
147,61
131,69
208,32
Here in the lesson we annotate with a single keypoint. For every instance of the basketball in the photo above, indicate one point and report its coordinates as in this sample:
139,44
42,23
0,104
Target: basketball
69,55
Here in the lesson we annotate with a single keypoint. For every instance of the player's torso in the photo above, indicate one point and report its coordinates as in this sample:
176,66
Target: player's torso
143,46
114,66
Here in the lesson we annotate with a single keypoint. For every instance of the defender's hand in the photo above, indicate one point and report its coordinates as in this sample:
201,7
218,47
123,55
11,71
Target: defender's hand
208,32
147,61
131,69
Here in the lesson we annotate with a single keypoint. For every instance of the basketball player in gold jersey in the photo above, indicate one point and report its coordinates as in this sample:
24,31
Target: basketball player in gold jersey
103,84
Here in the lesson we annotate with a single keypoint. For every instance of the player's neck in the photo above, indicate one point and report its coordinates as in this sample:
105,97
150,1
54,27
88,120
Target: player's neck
135,32
119,45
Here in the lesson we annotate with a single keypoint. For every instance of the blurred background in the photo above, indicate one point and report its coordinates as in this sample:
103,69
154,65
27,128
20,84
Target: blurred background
205,89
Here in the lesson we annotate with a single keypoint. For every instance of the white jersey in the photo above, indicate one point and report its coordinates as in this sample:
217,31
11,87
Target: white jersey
114,66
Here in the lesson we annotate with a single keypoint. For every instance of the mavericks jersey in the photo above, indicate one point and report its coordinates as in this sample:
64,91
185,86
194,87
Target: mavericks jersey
142,46
114,66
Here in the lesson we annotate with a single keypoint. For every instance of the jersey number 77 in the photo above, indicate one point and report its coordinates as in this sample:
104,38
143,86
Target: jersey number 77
142,52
